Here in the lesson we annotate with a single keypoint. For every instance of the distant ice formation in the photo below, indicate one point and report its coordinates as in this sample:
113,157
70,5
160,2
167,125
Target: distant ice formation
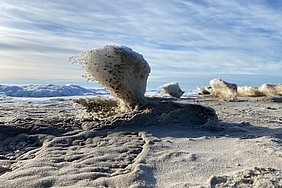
51,90
222,90
48,90
204,90
172,89
271,89
249,91
118,69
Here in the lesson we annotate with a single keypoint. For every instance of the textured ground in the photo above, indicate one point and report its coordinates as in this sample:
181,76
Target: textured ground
53,142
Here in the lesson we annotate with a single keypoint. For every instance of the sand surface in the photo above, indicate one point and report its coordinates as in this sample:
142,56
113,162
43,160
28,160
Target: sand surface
55,143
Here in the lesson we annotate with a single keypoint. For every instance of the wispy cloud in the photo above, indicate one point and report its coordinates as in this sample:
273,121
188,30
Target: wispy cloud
188,36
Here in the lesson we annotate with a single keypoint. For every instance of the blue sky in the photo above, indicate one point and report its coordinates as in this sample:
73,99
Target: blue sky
188,41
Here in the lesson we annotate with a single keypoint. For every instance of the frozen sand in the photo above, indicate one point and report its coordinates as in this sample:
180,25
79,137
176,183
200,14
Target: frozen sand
54,143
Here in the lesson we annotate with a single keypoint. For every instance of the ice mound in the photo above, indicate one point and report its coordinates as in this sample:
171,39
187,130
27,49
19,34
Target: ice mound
158,111
204,90
222,90
249,91
118,69
271,89
172,89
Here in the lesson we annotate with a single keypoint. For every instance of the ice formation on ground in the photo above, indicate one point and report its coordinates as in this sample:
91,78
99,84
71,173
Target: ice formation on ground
249,91
49,90
172,89
158,111
226,91
204,90
124,73
118,69
223,90
271,89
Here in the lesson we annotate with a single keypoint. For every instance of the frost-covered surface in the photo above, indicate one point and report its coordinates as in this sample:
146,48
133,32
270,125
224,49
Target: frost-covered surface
69,90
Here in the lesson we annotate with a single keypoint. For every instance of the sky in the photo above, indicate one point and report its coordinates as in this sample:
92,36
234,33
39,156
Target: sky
184,41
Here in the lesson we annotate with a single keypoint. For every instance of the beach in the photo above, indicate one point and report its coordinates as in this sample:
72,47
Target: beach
54,143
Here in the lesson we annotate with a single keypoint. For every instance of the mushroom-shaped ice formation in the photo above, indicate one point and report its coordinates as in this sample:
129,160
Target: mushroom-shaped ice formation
222,90
118,69
172,89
